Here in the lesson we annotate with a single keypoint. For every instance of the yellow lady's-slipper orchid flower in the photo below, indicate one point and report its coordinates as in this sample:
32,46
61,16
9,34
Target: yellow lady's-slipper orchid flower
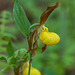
48,38
33,71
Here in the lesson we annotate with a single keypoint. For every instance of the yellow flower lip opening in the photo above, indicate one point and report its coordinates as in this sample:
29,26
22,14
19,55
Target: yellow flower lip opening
49,38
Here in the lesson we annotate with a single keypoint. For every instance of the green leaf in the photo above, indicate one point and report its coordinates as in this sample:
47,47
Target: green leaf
20,19
10,49
4,69
3,58
8,35
14,65
12,60
6,20
22,53
3,42
6,14
3,64
7,67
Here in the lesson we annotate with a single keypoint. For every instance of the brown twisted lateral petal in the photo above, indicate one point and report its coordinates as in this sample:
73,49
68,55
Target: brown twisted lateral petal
47,12
35,45
44,48
30,42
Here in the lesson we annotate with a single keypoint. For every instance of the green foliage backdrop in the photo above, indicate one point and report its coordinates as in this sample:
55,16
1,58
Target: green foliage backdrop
57,59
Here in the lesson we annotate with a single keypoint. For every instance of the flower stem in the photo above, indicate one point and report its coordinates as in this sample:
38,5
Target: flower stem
30,64
29,68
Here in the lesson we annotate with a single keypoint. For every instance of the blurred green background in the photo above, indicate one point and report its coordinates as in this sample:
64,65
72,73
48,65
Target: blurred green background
57,59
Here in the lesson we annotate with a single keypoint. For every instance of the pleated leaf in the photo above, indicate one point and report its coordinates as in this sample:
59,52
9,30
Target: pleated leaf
21,19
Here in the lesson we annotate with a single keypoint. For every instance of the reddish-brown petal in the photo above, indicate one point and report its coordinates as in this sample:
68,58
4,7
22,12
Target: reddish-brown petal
35,45
47,12
30,40
32,53
44,48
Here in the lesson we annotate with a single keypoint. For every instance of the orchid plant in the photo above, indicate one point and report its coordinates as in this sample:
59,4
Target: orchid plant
23,58
35,31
